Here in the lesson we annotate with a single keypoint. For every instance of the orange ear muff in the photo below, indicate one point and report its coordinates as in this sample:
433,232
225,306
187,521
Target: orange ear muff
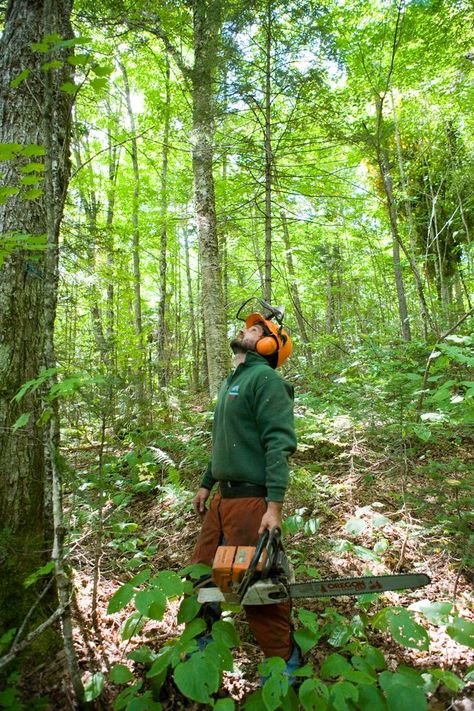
267,345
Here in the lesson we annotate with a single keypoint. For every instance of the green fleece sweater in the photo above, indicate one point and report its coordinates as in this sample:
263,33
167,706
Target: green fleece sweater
253,432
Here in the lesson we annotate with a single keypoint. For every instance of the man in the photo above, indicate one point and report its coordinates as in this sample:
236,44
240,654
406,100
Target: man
253,435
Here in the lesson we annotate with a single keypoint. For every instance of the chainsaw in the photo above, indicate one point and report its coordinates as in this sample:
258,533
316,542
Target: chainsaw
262,575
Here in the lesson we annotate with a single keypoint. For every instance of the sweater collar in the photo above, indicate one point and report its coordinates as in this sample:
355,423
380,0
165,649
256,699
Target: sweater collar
253,358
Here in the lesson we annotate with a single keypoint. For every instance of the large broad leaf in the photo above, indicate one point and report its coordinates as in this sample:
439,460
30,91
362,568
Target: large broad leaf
224,705
120,674
220,656
132,625
188,609
151,603
161,663
225,634
356,526
335,665
371,698
305,639
169,582
435,612
94,687
313,695
272,692
451,681
120,598
402,698
402,627
197,678
341,693
462,631
308,619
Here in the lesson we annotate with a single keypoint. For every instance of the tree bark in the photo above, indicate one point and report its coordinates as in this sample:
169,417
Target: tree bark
267,292
28,286
161,338
207,22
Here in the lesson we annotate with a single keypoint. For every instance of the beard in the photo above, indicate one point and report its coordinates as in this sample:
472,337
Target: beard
238,346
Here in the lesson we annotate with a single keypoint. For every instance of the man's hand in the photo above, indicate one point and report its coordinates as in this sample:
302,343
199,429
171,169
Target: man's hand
271,517
199,501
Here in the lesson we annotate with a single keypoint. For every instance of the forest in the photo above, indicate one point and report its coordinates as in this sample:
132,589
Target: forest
160,164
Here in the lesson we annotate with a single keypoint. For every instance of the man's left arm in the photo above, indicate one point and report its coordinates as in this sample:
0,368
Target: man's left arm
275,421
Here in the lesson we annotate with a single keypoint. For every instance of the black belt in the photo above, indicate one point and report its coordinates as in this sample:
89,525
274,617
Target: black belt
240,489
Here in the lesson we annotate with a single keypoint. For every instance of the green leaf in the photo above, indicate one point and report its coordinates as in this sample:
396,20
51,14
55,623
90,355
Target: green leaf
188,609
40,47
31,179
21,421
306,639
144,703
161,663
435,612
224,705
381,546
142,655
272,692
33,149
401,698
364,553
20,78
102,71
77,60
32,168
371,698
308,619
7,192
340,693
151,603
132,625
120,674
196,571
120,598
169,582
54,64
374,657
98,83
313,695
225,633
140,578
422,432
126,696
32,194
68,87
451,681
356,526
334,665
402,627
193,629
220,655
197,678
379,520
462,631
94,687
41,572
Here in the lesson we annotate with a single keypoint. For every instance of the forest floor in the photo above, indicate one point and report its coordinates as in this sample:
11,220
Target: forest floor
340,476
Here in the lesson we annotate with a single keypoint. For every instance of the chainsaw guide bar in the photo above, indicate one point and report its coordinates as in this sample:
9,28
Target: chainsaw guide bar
262,575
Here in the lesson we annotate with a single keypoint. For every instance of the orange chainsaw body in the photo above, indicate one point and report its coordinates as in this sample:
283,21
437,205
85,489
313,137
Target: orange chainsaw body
230,565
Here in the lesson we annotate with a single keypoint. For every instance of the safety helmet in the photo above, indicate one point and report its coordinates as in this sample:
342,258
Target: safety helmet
275,345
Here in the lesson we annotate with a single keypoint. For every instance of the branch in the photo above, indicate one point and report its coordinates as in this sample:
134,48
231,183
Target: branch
430,359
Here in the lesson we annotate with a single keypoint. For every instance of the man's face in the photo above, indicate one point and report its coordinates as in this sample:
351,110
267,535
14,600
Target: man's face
247,338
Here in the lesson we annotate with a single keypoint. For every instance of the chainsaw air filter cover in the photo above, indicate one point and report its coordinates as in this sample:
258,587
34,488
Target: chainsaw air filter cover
230,565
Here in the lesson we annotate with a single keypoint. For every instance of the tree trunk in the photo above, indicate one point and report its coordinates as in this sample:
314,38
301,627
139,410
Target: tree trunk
207,24
267,292
161,338
139,373
384,167
295,297
27,291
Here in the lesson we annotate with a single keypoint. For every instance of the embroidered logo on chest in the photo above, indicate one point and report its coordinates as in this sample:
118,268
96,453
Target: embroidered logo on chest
233,392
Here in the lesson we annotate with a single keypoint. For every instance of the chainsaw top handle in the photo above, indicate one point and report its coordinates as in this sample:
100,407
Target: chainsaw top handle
271,542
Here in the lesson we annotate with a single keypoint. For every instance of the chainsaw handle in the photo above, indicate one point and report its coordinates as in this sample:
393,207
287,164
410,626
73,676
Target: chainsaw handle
247,579
272,548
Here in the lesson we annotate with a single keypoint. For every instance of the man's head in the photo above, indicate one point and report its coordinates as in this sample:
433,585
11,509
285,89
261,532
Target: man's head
264,337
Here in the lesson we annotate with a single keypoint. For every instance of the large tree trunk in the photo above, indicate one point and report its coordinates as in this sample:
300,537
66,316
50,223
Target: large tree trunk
207,23
37,113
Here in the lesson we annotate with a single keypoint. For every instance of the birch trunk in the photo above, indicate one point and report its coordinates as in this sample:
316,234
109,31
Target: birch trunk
161,338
